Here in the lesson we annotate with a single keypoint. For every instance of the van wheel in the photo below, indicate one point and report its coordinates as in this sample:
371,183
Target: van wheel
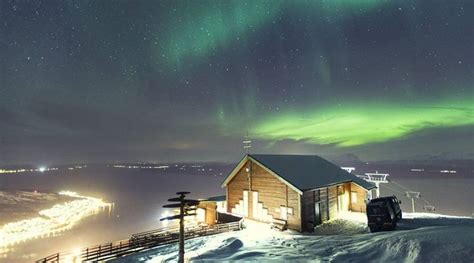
373,229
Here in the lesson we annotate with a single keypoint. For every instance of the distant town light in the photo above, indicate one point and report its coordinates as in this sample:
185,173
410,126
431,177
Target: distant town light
165,222
42,169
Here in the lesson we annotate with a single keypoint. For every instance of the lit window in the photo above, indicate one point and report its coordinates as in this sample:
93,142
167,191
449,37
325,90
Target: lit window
353,197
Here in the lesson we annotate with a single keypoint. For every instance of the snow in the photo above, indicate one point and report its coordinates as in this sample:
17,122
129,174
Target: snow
421,237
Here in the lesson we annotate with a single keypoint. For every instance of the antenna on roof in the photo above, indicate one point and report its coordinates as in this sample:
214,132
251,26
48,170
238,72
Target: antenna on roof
247,143
375,178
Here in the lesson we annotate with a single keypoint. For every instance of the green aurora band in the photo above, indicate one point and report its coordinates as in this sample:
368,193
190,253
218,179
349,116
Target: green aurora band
359,124
214,25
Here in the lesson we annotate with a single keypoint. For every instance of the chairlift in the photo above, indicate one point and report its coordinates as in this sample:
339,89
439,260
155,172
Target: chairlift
429,208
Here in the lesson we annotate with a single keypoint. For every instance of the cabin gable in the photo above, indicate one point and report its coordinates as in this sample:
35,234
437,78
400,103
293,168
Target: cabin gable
257,194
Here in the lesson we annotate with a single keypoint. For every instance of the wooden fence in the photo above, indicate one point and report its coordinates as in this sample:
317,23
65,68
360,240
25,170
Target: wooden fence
138,242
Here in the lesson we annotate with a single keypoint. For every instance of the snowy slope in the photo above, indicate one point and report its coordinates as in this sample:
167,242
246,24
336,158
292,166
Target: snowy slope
421,237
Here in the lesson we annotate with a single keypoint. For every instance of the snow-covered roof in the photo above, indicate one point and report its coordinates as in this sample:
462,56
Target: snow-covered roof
218,198
303,172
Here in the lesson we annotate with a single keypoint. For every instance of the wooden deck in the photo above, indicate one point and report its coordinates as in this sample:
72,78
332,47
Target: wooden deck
139,242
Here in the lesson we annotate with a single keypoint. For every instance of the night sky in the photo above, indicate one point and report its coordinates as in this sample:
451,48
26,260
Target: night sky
104,81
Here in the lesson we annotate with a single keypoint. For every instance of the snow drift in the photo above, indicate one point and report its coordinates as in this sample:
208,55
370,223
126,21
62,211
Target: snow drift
421,237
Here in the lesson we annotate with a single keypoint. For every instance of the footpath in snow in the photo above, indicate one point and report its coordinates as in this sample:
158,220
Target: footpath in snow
421,237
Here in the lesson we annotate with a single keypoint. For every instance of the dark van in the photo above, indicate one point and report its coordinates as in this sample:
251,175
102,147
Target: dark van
383,213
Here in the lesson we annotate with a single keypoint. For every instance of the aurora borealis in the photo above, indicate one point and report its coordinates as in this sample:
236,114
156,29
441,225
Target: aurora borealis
357,124
187,80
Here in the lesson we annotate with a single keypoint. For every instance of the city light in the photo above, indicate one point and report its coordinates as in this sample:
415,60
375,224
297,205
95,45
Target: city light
52,221
163,215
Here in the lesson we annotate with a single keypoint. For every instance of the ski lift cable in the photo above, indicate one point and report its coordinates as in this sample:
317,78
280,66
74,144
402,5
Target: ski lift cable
403,193
394,190
402,186
417,201
400,190
426,201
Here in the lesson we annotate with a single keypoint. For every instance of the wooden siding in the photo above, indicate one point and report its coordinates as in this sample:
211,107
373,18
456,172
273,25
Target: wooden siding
359,205
323,194
272,193
329,204
333,202
211,211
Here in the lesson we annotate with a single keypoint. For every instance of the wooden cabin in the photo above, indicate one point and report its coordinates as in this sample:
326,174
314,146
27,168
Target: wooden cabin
301,190
208,209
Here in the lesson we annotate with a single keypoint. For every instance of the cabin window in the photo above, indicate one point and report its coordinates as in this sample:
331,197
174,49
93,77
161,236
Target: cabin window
289,210
353,197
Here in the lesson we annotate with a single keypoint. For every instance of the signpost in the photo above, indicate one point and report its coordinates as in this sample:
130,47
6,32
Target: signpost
186,208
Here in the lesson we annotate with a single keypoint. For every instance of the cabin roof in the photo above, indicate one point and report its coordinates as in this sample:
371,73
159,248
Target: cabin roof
218,198
303,172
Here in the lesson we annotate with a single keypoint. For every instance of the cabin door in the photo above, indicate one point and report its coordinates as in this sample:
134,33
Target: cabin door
317,213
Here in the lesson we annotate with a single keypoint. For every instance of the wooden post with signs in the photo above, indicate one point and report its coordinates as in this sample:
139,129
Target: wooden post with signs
185,207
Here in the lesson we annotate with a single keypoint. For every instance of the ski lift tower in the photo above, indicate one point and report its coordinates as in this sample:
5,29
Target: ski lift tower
412,195
377,179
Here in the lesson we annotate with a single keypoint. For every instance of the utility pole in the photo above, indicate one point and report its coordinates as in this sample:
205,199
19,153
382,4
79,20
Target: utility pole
412,195
185,206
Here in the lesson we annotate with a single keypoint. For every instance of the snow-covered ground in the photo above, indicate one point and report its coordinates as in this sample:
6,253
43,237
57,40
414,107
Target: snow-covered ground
421,237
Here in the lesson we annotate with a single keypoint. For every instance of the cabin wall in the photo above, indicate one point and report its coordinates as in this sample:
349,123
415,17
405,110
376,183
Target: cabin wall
332,201
310,215
273,194
333,205
324,197
359,204
210,208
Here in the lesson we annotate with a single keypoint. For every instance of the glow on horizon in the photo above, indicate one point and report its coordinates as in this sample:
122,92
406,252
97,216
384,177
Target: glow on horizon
364,123
52,221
